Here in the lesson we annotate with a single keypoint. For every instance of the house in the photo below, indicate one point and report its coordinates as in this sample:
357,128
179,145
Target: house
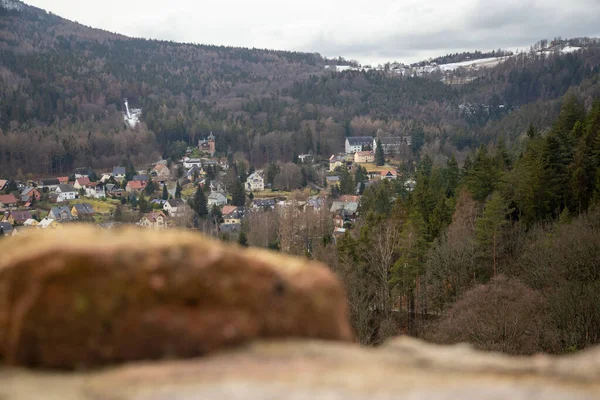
336,162
389,174
81,183
63,180
30,194
3,183
192,172
17,217
96,190
119,173
83,172
50,184
135,186
66,193
83,211
391,144
333,180
31,222
232,214
361,157
357,143
264,204
208,145
230,230
48,223
61,213
154,220
141,178
255,183
6,229
8,200
172,206
217,199
191,162
305,158
162,172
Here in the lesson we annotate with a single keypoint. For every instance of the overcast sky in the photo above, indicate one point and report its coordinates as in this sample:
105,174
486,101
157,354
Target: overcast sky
370,31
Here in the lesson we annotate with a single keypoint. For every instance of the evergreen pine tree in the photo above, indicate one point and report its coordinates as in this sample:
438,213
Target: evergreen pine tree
379,154
165,193
490,226
178,191
243,239
238,194
200,203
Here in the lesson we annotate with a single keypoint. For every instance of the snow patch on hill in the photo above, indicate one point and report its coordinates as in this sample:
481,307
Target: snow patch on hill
11,5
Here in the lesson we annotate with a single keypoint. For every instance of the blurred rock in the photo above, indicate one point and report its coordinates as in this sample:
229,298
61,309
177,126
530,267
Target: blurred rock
80,297
403,369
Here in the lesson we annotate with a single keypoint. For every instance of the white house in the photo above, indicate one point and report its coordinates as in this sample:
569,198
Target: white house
172,206
119,173
95,190
66,193
255,183
217,198
191,162
357,143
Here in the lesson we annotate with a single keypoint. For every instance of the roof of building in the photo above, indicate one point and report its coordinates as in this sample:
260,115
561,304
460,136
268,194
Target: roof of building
30,222
50,182
136,185
153,216
119,171
333,178
84,208
83,181
83,171
227,210
66,188
389,171
46,222
21,215
216,195
348,198
138,178
63,179
230,228
350,207
3,183
364,153
6,227
8,199
359,140
264,202
175,202
56,211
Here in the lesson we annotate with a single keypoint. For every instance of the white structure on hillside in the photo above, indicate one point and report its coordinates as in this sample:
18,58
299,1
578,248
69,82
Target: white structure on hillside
131,116
255,183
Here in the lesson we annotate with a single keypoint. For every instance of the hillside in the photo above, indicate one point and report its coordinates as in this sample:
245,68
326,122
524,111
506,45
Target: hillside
62,87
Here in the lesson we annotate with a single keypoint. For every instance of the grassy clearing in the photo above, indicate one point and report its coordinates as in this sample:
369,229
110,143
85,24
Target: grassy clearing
374,168
270,194
106,206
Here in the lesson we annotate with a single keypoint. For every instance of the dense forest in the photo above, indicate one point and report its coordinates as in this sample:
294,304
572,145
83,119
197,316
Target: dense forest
501,253
62,85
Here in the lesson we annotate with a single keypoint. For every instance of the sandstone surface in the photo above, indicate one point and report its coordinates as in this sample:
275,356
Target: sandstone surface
80,297
402,369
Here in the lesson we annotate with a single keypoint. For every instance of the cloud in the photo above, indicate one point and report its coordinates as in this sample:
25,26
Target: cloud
376,31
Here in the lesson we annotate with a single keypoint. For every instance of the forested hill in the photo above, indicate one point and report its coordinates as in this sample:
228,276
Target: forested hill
62,85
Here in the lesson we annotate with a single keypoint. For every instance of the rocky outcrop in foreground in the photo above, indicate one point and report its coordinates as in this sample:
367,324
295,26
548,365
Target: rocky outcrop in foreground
80,297
83,298
316,370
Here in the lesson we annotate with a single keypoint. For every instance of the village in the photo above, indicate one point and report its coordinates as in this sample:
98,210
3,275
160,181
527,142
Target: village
238,198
